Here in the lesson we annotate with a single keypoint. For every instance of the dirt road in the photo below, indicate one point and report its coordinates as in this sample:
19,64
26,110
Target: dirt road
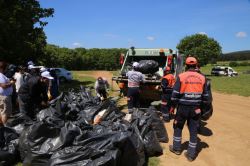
225,139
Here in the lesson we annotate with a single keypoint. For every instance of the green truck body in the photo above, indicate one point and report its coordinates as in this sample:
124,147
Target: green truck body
150,90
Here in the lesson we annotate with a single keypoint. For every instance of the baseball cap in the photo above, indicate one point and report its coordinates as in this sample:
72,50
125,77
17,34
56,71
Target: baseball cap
191,61
42,69
47,75
31,63
135,64
31,67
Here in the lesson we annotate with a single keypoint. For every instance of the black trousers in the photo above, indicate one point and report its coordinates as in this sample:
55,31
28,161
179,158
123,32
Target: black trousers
165,104
133,98
102,92
27,106
183,114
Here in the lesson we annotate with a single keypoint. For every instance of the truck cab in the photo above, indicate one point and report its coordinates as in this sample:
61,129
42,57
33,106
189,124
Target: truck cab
150,90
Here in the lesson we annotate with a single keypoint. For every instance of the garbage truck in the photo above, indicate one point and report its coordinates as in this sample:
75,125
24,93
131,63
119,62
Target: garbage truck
161,58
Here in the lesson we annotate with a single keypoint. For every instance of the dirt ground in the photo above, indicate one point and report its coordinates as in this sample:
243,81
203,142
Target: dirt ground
224,139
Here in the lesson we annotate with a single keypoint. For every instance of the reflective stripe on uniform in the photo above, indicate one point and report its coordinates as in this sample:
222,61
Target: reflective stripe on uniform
194,101
192,145
175,91
177,139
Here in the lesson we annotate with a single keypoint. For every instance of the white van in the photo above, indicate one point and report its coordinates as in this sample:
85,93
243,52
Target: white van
223,71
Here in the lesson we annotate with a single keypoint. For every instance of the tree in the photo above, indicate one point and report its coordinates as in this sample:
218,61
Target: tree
21,34
205,49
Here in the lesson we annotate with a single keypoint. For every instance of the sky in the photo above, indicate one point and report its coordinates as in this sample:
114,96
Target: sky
147,23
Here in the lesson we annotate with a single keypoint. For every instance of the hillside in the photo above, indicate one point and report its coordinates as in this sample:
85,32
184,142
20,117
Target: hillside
235,56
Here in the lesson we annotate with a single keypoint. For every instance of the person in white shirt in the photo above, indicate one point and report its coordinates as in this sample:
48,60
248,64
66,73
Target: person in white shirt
5,94
19,78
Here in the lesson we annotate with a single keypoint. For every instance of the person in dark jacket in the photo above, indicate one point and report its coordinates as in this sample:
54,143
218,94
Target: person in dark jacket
101,87
189,93
32,95
167,84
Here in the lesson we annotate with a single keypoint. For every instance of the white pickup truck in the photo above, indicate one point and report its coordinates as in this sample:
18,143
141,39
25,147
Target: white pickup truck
223,71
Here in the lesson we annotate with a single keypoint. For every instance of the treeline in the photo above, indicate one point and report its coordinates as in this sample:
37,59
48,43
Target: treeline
81,58
235,56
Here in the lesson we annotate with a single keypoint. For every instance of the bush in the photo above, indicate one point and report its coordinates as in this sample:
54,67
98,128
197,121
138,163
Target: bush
245,64
233,64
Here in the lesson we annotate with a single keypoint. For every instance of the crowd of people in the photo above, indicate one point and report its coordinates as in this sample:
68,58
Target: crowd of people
27,89
32,87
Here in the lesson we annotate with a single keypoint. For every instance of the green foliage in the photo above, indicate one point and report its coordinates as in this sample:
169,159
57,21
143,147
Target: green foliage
21,34
81,58
233,64
235,56
153,161
244,63
201,46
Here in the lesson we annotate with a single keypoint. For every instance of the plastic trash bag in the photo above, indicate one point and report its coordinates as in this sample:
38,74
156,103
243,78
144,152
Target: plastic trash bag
8,146
148,66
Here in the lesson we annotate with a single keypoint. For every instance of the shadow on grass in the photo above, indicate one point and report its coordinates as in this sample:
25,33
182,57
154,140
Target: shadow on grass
75,84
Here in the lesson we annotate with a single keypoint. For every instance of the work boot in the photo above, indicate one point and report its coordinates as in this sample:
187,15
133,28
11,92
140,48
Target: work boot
189,158
171,148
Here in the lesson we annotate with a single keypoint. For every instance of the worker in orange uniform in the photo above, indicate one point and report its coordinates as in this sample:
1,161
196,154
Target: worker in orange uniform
167,84
189,92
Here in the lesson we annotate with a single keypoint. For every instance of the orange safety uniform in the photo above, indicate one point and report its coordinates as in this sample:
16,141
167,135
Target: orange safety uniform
170,82
190,89
167,84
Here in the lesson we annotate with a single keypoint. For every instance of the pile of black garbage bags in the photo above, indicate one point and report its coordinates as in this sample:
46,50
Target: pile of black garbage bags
64,134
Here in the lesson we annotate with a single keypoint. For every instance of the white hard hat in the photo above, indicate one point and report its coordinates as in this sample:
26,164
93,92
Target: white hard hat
135,64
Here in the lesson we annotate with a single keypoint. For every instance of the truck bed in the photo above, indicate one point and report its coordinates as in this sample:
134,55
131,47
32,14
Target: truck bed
148,80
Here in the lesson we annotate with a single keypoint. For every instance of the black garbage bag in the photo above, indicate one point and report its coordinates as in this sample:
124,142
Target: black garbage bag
113,113
206,111
143,122
158,125
207,108
18,122
49,113
39,141
148,66
9,154
111,149
151,144
78,155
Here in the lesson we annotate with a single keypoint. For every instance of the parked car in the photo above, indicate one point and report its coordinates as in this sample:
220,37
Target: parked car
223,71
63,74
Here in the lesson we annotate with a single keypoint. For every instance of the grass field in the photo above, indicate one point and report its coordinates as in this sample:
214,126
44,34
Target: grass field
239,85
78,80
232,85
